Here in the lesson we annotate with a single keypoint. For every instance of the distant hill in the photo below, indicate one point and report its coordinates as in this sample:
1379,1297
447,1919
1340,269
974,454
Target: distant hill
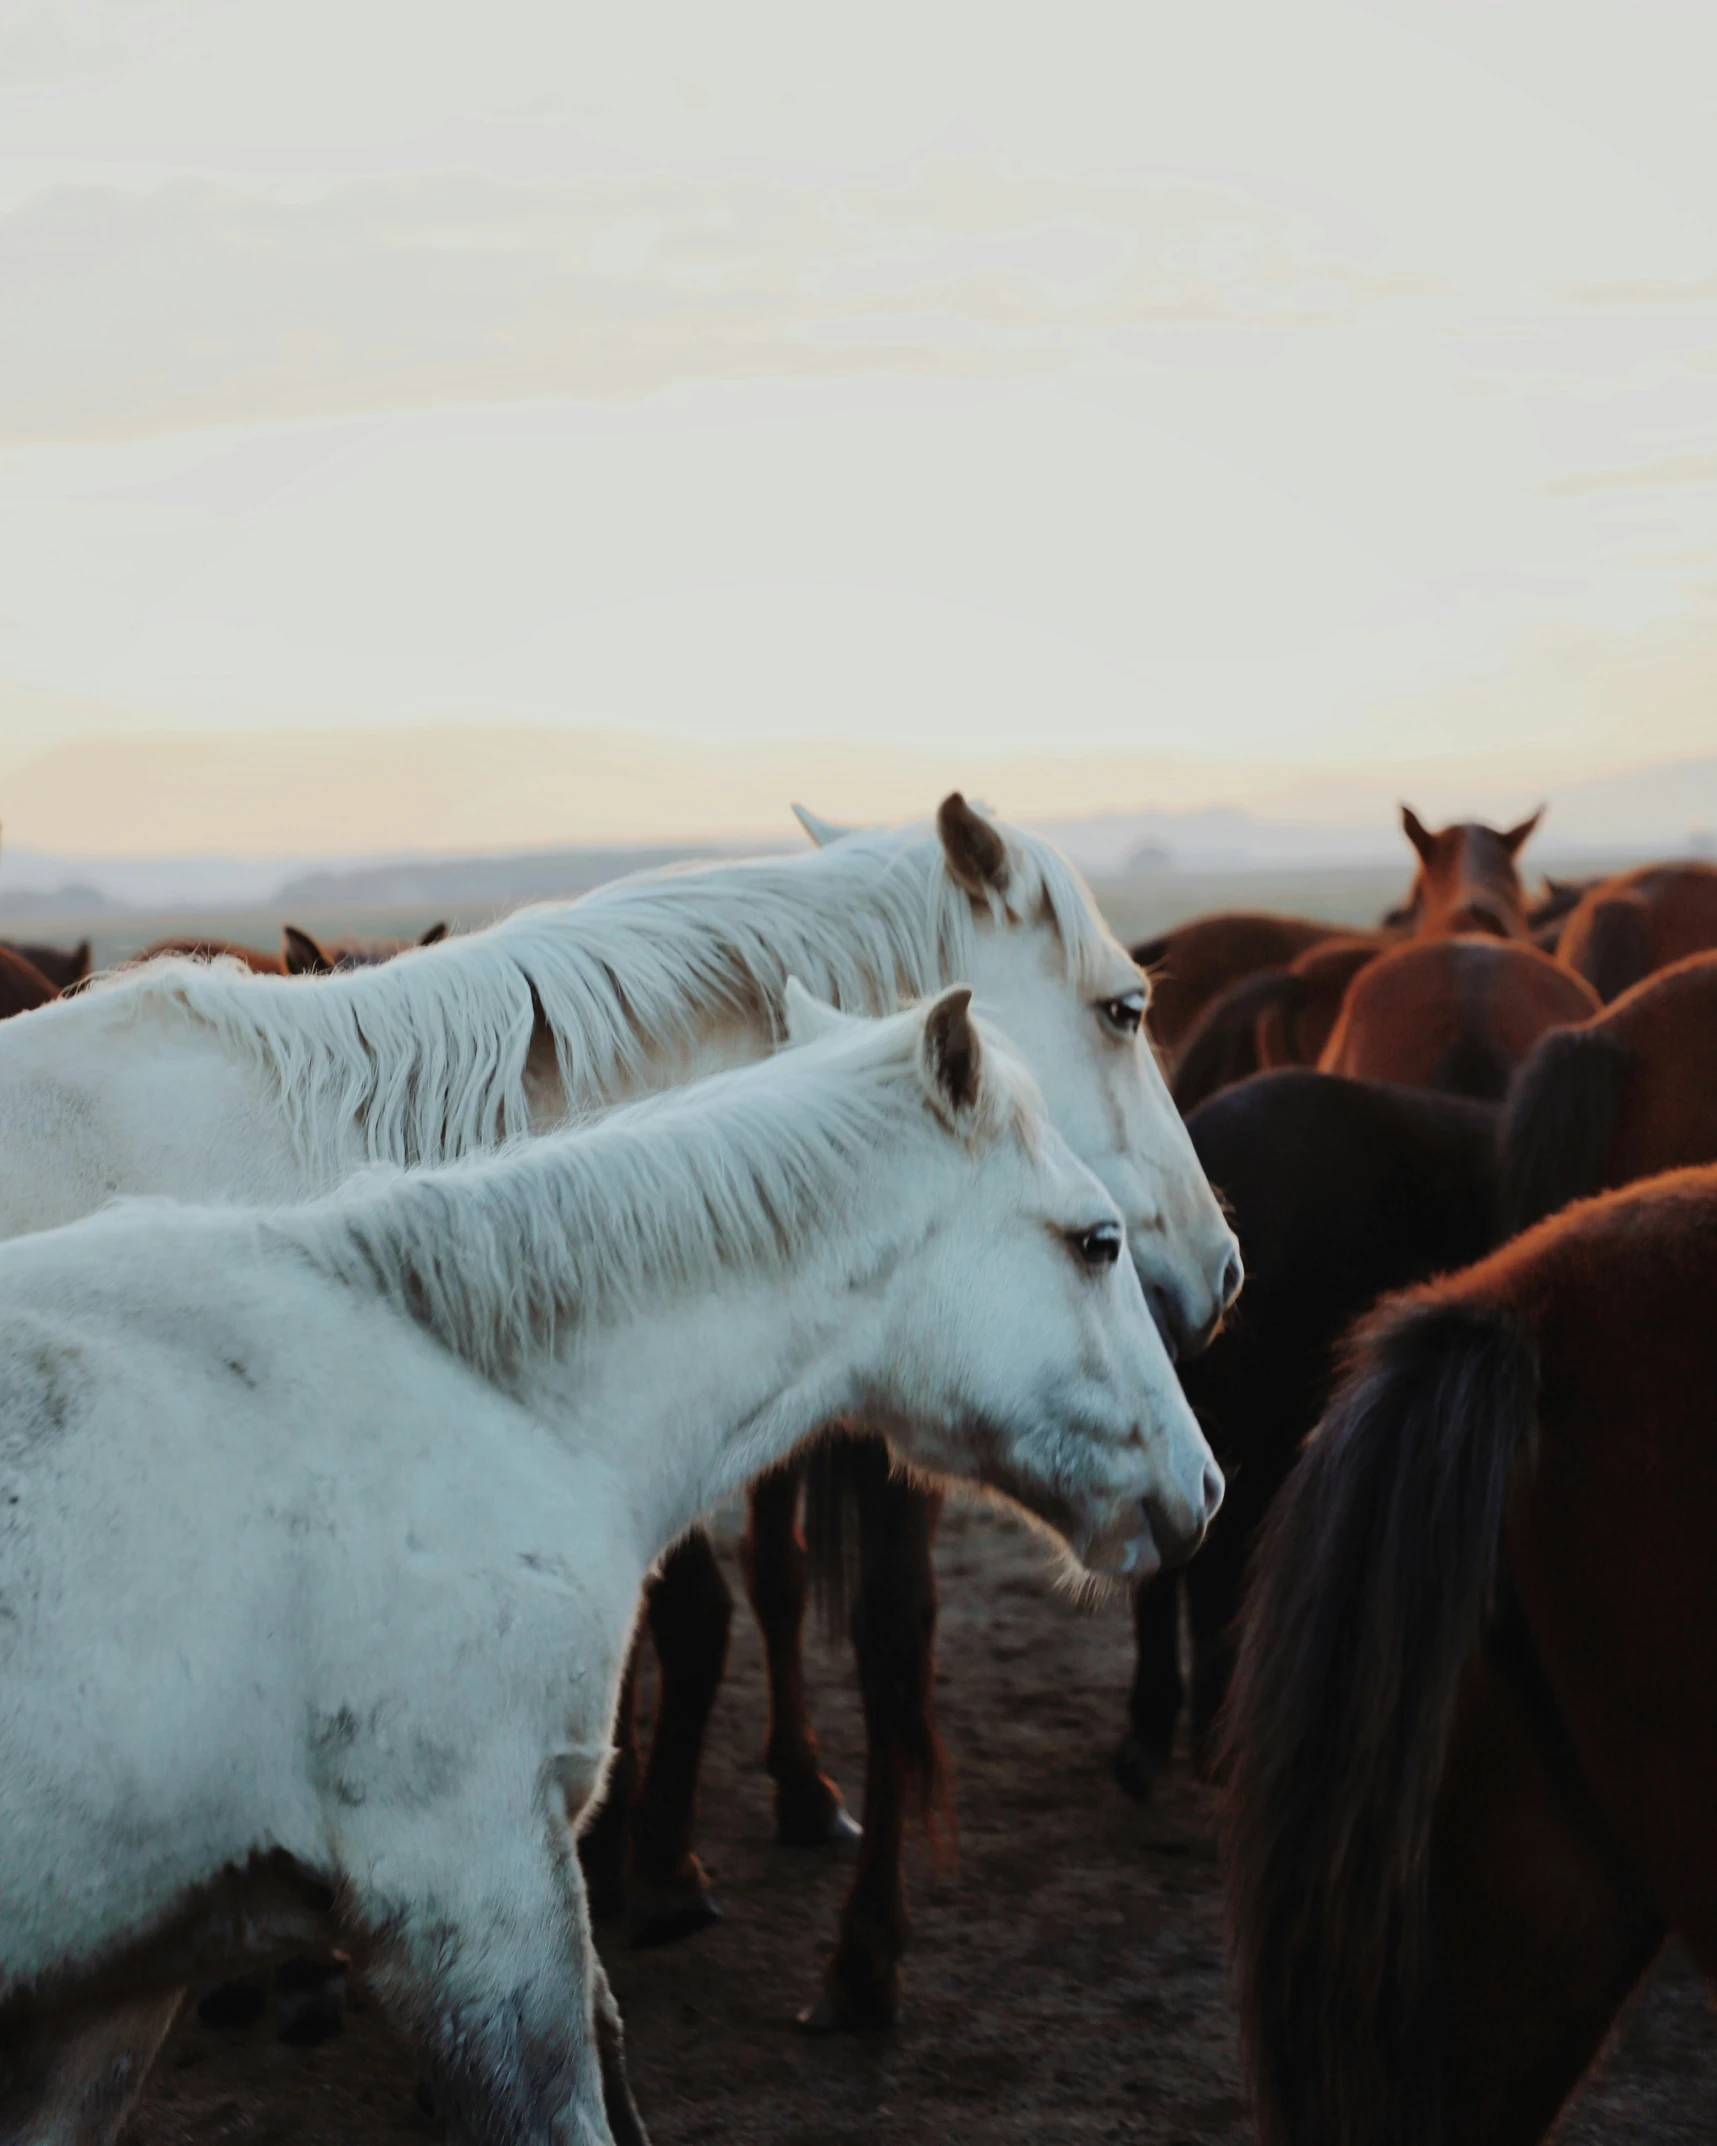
484,883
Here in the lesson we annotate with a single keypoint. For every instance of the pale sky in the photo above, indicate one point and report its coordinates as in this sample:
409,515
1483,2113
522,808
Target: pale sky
1301,383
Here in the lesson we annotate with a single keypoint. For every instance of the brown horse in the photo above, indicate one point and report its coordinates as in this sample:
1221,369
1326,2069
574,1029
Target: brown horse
22,985
1626,1094
1623,929
1456,1014
1278,1017
62,966
253,957
1471,1746
300,954
1467,880
1198,960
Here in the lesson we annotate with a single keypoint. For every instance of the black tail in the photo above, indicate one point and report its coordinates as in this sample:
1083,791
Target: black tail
1558,1123
1613,952
1221,1046
1369,1590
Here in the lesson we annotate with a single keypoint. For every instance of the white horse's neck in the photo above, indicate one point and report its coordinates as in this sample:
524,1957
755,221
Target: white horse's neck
689,1401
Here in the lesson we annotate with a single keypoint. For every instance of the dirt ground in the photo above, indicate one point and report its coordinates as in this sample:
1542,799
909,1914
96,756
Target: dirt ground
1065,1984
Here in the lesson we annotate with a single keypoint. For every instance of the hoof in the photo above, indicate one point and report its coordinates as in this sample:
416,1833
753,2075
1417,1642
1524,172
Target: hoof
1137,1766
234,2004
842,2009
833,1827
827,2017
664,1914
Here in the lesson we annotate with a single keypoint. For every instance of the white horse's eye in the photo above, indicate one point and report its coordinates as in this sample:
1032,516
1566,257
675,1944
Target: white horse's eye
1098,1247
1124,1014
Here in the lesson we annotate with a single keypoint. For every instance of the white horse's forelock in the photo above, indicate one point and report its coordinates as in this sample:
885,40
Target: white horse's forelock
426,1058
500,1255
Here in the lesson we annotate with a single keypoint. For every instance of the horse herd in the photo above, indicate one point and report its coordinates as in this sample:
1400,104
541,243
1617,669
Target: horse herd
299,1327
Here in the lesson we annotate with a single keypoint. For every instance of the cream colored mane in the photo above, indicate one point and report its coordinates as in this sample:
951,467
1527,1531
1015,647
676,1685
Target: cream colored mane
500,1254
426,1057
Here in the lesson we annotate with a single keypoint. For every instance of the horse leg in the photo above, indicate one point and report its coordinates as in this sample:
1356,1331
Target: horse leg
602,1840
689,1608
808,1807
1542,1931
893,1627
486,1961
74,2080
1153,1704
621,2110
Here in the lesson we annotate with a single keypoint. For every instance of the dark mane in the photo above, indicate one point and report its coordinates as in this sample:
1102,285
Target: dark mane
1369,1589
1559,1121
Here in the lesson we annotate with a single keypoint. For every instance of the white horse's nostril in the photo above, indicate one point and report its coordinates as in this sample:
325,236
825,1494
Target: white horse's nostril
1214,1487
1233,1274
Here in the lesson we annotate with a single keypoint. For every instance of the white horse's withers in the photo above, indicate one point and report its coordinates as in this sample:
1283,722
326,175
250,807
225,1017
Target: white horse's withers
419,1442
203,1083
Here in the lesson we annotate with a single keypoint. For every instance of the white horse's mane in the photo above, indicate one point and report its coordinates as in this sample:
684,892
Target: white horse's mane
427,1056
743,1172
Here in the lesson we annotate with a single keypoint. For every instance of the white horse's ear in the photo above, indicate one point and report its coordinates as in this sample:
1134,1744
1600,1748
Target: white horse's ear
951,1059
976,855
808,1017
821,832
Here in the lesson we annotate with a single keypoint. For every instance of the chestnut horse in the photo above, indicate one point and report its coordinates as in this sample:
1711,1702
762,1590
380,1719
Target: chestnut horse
1624,928
1197,961
1339,1190
1278,1017
1467,880
1458,1014
1625,1095
299,955
62,966
22,985
1471,1748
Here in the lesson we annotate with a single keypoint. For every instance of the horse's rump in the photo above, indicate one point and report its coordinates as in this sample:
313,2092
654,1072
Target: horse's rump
1194,962
1624,928
1456,1014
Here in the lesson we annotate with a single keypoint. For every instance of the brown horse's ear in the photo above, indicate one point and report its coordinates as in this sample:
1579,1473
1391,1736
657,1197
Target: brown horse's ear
301,955
82,955
1514,839
976,855
951,1059
435,934
1418,833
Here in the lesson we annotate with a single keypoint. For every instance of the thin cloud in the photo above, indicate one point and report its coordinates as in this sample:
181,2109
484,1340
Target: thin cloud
203,304
1669,473
1701,291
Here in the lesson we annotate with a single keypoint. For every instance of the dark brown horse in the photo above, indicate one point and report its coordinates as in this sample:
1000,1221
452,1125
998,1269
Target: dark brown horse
1546,917
1624,1095
23,987
1339,1190
62,966
1471,1748
1467,879
1624,928
1457,1014
1197,961
1279,1017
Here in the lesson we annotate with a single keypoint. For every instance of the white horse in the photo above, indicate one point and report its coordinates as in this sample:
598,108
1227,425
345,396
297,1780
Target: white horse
418,1443
204,1083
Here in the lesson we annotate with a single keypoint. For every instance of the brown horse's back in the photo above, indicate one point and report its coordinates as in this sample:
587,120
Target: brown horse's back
1195,961
1610,1537
1294,1031
1627,1094
1625,928
22,985
1456,1014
